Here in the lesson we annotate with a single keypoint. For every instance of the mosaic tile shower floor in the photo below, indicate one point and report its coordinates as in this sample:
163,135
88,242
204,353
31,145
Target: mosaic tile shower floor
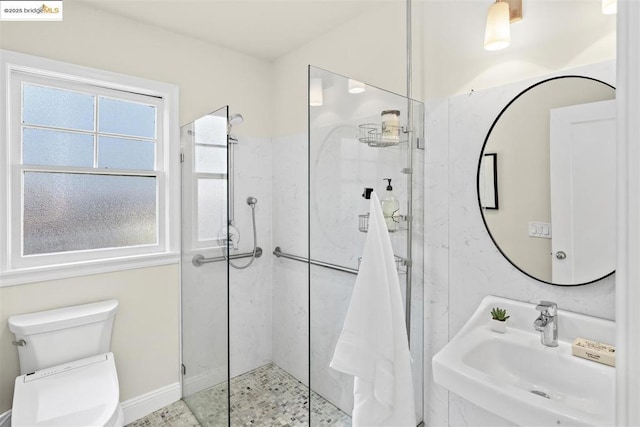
264,397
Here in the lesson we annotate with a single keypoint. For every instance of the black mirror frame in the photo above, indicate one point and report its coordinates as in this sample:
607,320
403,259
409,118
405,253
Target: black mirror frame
486,139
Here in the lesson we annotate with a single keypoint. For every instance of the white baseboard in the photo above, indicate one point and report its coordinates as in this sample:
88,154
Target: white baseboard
203,381
143,405
5,419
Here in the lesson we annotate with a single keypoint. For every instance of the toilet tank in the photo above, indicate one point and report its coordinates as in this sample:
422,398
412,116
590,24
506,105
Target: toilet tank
53,337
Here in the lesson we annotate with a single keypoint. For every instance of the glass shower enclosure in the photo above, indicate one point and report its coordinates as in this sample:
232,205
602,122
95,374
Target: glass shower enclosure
361,138
313,210
205,274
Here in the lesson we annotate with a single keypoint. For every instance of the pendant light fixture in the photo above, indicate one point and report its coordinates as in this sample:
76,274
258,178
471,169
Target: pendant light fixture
501,14
497,35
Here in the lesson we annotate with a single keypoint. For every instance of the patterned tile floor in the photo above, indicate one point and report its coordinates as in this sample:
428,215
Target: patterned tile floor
265,397
175,415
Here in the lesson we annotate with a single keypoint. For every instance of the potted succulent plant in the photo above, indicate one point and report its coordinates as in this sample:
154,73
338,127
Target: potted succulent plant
499,320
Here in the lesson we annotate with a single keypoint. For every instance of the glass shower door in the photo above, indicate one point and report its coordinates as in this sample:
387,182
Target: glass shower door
360,140
205,274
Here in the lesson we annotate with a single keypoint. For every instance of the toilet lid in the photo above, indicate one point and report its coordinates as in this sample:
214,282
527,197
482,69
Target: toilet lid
81,393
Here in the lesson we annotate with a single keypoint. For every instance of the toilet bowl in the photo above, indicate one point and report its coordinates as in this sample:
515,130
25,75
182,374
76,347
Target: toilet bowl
83,393
68,374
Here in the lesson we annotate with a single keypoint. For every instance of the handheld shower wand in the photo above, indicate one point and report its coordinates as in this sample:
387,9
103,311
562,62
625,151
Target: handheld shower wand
251,201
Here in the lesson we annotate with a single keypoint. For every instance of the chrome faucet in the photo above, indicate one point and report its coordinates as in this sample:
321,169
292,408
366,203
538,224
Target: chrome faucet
547,323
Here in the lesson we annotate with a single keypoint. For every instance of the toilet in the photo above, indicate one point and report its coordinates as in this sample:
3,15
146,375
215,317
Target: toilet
68,374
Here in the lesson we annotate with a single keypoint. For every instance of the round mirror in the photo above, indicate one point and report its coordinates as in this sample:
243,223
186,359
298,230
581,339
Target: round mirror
546,181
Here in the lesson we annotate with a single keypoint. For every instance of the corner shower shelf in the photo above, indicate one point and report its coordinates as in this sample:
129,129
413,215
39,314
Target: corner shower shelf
363,222
372,135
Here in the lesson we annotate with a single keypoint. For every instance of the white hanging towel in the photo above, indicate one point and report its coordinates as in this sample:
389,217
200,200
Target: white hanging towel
373,345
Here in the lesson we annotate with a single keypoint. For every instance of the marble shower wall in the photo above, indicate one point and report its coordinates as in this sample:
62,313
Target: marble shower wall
290,300
250,289
204,295
462,263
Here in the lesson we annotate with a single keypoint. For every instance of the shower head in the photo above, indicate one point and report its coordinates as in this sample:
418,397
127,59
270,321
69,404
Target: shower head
251,201
235,119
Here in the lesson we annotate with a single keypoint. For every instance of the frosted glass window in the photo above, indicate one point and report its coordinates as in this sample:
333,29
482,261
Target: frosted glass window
211,130
211,159
126,118
55,148
65,212
121,153
212,208
47,106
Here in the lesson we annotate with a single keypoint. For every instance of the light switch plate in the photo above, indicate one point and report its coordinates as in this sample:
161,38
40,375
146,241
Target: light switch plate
540,229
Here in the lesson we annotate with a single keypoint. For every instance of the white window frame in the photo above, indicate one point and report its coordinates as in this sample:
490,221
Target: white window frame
193,243
16,68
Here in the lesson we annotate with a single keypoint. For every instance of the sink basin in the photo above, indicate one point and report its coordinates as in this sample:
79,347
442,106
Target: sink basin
516,377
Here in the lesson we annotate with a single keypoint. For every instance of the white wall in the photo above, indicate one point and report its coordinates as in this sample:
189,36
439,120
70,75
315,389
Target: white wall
370,48
209,76
146,336
628,250
553,35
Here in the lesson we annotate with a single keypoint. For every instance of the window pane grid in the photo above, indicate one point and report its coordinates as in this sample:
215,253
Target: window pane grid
135,136
47,146
73,198
142,117
76,131
122,136
96,136
210,175
40,107
90,171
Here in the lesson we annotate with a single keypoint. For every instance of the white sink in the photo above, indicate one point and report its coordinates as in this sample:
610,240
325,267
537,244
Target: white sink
516,377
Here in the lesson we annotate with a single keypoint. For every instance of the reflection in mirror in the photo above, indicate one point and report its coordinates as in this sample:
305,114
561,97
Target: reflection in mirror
555,150
488,181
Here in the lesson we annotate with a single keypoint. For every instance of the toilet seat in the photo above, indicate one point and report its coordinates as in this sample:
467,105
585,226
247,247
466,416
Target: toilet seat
82,393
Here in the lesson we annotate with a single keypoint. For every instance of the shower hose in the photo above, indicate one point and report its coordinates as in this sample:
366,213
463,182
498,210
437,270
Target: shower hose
255,244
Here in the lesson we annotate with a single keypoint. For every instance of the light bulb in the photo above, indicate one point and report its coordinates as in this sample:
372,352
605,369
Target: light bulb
356,86
315,92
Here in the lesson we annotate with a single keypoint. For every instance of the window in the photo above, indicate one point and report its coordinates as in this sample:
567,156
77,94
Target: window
88,170
205,178
210,175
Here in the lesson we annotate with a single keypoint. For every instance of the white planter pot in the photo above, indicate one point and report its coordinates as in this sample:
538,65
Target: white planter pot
498,326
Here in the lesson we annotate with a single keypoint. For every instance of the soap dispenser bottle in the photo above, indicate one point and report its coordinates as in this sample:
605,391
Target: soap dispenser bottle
390,207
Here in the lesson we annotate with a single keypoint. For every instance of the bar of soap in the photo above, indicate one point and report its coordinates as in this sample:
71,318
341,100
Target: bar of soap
595,351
